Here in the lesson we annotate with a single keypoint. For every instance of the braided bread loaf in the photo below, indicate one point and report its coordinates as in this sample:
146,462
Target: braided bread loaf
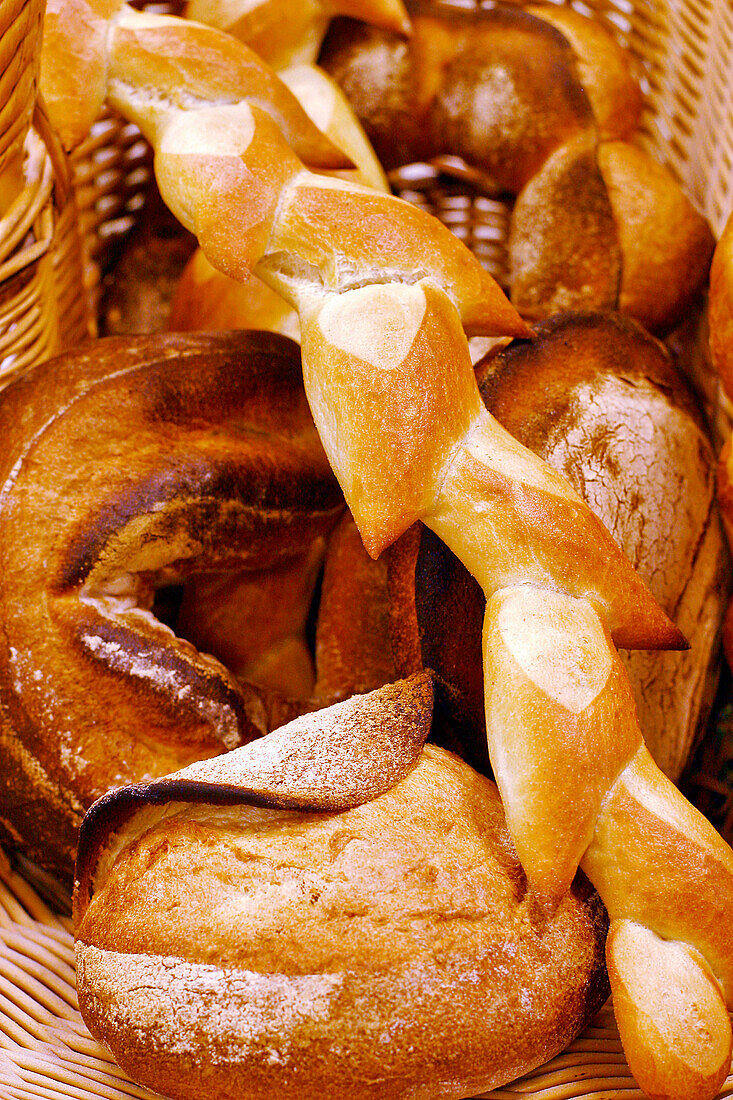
669,948
410,950
128,465
542,101
206,298
382,319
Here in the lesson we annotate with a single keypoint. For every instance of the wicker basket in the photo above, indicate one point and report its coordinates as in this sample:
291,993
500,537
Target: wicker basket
43,307
111,172
685,53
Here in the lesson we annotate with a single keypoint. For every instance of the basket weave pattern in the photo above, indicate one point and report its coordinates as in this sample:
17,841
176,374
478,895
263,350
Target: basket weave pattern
20,29
112,170
42,302
43,307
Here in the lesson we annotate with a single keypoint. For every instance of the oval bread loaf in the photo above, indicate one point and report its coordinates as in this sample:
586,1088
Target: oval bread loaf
331,911
543,103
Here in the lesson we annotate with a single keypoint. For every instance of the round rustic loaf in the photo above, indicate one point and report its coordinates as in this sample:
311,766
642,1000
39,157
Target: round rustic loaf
125,466
543,103
331,911
602,402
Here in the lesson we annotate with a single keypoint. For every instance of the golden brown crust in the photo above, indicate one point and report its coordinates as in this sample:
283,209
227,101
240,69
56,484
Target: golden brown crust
455,96
604,68
666,245
645,822
721,308
515,521
563,247
334,759
692,1032
288,32
537,99
353,650
557,707
393,354
406,918
320,227
204,299
128,465
577,396
74,94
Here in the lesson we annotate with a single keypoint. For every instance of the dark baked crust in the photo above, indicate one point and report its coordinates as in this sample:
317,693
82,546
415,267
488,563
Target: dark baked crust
542,106
127,464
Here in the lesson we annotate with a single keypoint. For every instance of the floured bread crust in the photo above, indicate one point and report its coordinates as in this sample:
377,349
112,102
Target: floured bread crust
385,951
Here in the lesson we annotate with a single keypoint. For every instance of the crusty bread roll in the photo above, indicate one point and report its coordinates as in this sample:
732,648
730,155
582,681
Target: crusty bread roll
127,465
329,912
543,102
603,403
353,649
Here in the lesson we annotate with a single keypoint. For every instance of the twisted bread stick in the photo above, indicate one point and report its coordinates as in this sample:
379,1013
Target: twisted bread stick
559,707
383,346
208,299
